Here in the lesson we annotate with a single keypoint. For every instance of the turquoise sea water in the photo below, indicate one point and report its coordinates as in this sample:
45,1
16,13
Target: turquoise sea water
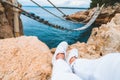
52,37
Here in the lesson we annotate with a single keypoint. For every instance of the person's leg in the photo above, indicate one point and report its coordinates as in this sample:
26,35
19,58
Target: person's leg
105,68
109,67
61,70
81,67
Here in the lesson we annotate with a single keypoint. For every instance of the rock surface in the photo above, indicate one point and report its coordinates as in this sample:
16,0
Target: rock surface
7,21
106,15
24,58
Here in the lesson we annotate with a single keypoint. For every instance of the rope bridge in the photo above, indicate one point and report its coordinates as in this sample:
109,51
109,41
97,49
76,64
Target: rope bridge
41,20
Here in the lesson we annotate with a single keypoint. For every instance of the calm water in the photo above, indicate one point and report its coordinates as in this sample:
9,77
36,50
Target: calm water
52,37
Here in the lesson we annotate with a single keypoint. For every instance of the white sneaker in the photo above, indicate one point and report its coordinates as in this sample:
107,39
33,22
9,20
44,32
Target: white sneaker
61,48
73,53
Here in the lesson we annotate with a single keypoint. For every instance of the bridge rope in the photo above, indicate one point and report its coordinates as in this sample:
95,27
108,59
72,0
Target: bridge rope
37,18
41,20
57,8
92,20
46,9
72,21
64,15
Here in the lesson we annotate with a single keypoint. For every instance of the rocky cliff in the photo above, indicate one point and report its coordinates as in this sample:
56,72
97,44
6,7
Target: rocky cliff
106,15
7,21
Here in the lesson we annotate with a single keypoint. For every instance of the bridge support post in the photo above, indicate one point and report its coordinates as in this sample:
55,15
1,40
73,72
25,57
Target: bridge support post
16,19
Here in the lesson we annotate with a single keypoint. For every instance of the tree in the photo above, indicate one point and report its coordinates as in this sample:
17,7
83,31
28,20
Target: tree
107,2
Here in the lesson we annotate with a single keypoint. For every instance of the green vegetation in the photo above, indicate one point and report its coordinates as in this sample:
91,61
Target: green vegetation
107,2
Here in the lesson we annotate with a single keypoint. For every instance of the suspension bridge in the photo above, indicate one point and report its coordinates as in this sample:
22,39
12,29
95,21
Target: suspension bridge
41,20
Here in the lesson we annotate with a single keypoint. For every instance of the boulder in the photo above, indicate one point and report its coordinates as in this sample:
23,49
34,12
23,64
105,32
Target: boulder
24,58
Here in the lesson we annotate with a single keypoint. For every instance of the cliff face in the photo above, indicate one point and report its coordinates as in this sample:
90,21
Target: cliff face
24,58
106,15
7,21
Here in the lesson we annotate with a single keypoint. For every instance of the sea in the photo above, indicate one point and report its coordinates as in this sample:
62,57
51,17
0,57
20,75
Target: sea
51,36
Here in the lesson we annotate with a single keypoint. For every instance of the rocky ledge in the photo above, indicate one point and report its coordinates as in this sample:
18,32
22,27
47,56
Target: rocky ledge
106,15
24,58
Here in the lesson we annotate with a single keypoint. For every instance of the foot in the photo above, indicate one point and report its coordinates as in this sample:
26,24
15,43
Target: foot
60,52
60,56
72,59
73,55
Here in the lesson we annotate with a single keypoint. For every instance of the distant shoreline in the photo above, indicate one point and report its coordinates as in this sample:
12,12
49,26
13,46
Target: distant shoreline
58,7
